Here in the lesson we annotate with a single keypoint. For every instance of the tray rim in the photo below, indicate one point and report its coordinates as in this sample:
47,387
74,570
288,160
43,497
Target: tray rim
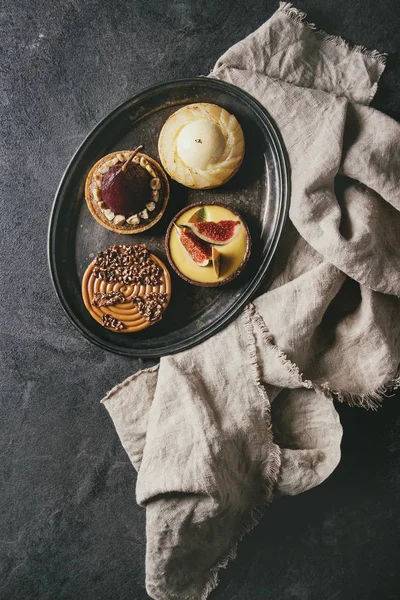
235,309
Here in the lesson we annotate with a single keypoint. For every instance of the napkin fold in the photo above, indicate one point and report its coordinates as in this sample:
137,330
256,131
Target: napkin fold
216,432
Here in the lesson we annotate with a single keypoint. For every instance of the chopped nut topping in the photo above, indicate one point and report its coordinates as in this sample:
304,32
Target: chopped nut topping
155,183
119,219
107,299
133,220
151,306
150,206
111,162
109,214
150,170
109,321
129,265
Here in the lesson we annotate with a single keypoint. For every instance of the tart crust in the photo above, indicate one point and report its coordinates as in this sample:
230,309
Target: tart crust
126,228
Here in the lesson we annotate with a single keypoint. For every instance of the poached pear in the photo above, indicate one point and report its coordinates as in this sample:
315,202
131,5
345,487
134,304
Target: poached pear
125,188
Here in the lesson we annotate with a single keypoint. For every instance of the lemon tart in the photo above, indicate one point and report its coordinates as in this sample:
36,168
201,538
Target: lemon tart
208,244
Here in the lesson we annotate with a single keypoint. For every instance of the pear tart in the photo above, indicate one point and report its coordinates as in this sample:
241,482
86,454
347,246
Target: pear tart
201,145
127,191
126,288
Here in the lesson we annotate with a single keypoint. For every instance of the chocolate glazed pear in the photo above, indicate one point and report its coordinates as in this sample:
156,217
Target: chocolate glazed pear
126,187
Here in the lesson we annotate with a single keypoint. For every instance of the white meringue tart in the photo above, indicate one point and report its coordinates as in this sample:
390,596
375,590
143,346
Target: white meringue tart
201,145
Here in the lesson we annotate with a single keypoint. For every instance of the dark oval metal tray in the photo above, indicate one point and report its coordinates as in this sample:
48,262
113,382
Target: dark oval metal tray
259,191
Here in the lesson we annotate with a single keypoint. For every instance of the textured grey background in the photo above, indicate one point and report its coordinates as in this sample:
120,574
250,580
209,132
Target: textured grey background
69,525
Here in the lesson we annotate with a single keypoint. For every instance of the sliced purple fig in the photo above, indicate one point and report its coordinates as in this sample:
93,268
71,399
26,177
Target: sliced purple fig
219,233
216,261
200,252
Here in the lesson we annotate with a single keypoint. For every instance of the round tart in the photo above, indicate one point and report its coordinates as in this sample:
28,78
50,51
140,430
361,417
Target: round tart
126,288
201,145
208,244
127,191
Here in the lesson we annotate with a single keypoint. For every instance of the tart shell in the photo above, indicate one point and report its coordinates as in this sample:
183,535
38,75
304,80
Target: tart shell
126,228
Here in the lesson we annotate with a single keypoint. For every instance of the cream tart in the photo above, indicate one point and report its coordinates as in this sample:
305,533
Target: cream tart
127,191
201,145
126,288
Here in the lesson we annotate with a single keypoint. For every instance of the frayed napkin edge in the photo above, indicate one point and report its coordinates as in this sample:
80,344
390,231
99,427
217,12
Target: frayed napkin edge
301,17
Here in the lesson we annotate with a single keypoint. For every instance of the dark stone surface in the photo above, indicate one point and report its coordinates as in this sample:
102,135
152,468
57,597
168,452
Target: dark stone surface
69,525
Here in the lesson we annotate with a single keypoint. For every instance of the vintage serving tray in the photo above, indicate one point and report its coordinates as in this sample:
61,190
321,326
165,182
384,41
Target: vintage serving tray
259,191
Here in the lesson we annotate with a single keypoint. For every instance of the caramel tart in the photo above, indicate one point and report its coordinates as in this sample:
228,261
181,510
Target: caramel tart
126,288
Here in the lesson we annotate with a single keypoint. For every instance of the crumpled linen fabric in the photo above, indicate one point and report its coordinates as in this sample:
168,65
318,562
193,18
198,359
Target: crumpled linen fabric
217,432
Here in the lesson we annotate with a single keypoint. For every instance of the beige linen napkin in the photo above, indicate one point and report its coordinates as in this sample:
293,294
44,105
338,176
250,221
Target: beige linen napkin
216,431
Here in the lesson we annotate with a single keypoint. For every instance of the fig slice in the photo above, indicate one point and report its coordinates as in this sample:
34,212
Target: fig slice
200,252
216,261
219,233
199,216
